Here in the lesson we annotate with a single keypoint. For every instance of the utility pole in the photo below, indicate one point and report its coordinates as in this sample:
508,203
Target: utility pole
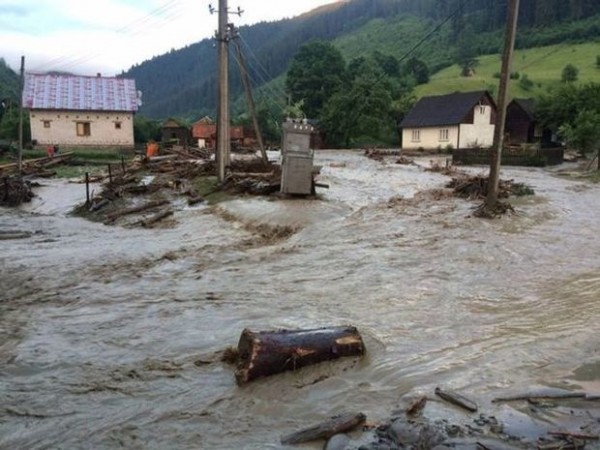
250,99
21,87
509,45
223,136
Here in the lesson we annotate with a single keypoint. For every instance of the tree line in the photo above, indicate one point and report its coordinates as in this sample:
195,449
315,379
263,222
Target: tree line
183,82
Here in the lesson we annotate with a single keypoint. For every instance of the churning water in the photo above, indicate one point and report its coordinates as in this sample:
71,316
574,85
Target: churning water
108,335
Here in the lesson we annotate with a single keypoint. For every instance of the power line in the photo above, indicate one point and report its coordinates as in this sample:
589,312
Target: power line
168,12
270,101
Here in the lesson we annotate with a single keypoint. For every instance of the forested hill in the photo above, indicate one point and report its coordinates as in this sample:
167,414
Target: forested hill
183,82
9,83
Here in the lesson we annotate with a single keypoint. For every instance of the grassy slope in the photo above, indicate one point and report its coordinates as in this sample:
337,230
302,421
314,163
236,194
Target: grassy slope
395,36
543,66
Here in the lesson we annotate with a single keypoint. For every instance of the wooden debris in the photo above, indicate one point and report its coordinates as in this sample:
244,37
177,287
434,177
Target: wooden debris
270,352
14,191
157,217
405,161
337,424
195,200
11,235
456,399
99,204
416,407
570,435
546,396
136,209
475,187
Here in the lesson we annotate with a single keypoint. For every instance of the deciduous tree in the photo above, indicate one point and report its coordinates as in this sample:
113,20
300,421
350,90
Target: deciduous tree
316,73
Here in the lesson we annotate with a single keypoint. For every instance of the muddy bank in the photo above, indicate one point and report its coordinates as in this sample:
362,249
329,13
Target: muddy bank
107,334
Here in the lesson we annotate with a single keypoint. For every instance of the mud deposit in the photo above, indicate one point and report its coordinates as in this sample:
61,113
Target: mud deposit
109,337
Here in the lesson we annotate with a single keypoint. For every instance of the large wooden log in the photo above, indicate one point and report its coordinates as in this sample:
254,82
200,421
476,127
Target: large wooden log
269,352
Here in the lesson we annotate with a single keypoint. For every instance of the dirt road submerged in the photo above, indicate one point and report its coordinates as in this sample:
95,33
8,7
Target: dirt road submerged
108,335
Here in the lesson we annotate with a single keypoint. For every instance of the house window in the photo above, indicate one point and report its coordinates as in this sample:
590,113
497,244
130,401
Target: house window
416,136
83,129
46,124
444,134
481,109
117,125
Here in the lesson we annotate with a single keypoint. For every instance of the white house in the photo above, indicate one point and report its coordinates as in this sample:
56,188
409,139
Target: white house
80,111
459,120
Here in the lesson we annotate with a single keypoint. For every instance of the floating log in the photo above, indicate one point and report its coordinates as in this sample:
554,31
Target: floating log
570,435
333,426
456,399
136,209
536,396
10,235
157,217
269,352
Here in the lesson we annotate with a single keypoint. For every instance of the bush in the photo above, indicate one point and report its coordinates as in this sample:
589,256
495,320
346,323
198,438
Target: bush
598,61
525,83
515,75
569,73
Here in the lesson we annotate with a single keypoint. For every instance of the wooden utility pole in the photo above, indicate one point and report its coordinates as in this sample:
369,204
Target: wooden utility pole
223,137
250,100
21,87
509,45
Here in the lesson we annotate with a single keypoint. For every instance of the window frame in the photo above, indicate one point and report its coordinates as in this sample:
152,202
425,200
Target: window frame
86,128
444,135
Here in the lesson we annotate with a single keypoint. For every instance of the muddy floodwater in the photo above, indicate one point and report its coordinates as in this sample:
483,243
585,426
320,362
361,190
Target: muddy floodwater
109,335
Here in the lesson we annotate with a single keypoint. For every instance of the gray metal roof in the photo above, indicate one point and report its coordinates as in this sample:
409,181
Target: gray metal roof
79,93
450,109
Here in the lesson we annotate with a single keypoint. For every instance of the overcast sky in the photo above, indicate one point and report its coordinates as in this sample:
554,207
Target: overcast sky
108,36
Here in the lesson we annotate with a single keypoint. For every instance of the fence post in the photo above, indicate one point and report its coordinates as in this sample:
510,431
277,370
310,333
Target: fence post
87,189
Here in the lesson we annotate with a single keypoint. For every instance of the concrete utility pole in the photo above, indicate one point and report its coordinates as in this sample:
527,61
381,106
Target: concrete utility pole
21,87
509,45
223,137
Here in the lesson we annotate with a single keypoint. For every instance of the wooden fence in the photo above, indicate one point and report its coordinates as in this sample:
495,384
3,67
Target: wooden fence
510,156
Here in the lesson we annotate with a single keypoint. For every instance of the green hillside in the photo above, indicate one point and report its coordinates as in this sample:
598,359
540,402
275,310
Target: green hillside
9,82
396,36
182,82
542,65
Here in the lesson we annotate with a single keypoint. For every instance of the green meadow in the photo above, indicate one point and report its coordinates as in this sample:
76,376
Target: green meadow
543,66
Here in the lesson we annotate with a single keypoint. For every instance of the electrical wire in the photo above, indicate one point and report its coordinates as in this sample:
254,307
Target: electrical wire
160,16
270,101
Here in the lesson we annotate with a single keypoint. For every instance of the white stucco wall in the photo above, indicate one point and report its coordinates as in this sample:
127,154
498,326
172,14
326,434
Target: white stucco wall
481,132
62,128
430,138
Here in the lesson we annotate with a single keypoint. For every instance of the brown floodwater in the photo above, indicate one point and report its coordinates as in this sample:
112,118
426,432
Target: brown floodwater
109,335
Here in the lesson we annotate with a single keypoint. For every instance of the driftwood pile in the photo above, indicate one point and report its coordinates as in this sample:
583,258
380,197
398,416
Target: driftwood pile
38,168
14,191
410,428
175,173
474,187
253,176
378,154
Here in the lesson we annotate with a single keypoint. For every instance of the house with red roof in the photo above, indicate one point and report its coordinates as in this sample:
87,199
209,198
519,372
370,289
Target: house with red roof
80,111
